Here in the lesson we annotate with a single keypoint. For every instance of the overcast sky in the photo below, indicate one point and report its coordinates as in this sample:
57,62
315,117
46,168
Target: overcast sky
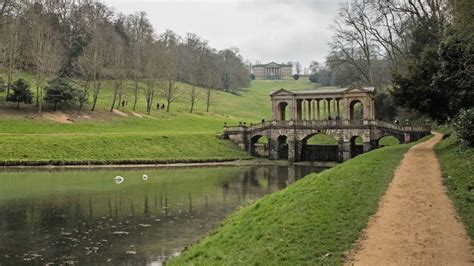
264,30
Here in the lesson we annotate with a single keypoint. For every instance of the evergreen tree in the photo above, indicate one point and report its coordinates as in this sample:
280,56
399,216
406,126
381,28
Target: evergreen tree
61,93
21,93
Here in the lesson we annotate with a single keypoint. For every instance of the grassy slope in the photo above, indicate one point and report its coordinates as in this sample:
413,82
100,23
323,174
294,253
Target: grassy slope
177,135
457,164
314,221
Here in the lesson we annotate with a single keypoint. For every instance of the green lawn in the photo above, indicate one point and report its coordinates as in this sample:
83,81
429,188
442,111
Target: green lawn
162,136
457,164
314,221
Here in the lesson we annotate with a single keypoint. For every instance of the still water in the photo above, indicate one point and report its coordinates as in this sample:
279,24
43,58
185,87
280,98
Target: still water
82,216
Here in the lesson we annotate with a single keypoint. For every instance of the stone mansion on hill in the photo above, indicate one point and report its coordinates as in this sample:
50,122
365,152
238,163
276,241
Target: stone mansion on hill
272,71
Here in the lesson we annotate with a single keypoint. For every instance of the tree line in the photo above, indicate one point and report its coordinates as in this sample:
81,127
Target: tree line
87,43
419,54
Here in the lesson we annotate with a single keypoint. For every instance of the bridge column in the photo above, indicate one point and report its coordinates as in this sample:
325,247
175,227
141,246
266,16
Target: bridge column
294,150
344,150
273,149
406,138
329,108
318,110
310,114
368,146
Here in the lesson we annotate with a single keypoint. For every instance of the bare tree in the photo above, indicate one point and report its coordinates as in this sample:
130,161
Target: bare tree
352,42
151,61
369,31
82,66
170,90
211,75
6,6
193,95
140,32
46,50
117,69
12,48
169,86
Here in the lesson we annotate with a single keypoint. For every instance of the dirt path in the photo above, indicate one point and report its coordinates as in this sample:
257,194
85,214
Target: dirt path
415,223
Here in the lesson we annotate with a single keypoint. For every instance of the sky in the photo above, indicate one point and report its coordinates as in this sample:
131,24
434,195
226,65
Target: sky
263,30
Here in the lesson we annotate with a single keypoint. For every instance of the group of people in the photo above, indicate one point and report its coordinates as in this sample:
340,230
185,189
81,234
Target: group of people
124,103
158,106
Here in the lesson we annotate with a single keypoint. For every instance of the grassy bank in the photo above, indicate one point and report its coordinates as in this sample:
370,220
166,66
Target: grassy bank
457,164
115,148
314,221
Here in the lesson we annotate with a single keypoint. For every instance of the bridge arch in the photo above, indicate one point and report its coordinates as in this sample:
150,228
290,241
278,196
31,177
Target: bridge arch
389,140
356,110
357,145
320,146
282,142
259,145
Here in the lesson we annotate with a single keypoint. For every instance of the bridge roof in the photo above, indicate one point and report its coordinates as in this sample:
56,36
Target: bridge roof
325,91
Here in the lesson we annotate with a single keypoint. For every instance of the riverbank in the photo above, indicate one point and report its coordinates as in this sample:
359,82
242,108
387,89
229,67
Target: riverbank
230,162
457,165
315,221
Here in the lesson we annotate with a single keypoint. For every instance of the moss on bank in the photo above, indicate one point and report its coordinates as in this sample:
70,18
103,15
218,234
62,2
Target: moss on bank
314,221
457,164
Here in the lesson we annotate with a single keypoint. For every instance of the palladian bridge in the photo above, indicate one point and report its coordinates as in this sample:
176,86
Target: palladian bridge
342,113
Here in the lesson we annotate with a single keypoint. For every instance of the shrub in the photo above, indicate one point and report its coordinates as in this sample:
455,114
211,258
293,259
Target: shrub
296,76
252,76
464,126
21,93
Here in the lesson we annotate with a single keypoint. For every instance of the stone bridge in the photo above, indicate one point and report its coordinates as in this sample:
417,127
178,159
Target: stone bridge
289,138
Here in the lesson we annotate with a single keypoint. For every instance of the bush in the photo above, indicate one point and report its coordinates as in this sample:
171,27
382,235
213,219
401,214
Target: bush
21,93
296,76
464,126
60,93
252,76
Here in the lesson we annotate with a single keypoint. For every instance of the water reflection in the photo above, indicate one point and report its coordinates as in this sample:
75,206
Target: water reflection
82,216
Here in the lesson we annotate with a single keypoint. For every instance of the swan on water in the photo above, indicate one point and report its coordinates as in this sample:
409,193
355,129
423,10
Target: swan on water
145,177
118,179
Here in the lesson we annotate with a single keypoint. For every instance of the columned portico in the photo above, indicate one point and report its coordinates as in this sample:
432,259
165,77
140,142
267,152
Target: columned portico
306,105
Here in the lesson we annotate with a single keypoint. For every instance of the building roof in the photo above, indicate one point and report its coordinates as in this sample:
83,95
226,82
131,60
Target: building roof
272,63
324,90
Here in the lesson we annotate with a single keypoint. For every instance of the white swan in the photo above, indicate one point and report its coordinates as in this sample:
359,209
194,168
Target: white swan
118,180
145,177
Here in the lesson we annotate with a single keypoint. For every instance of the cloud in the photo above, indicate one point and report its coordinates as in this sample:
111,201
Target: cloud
265,30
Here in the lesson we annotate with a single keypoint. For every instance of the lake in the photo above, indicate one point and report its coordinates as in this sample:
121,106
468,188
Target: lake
70,216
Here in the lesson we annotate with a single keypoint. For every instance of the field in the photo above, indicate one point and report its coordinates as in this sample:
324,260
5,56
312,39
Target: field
314,221
127,136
